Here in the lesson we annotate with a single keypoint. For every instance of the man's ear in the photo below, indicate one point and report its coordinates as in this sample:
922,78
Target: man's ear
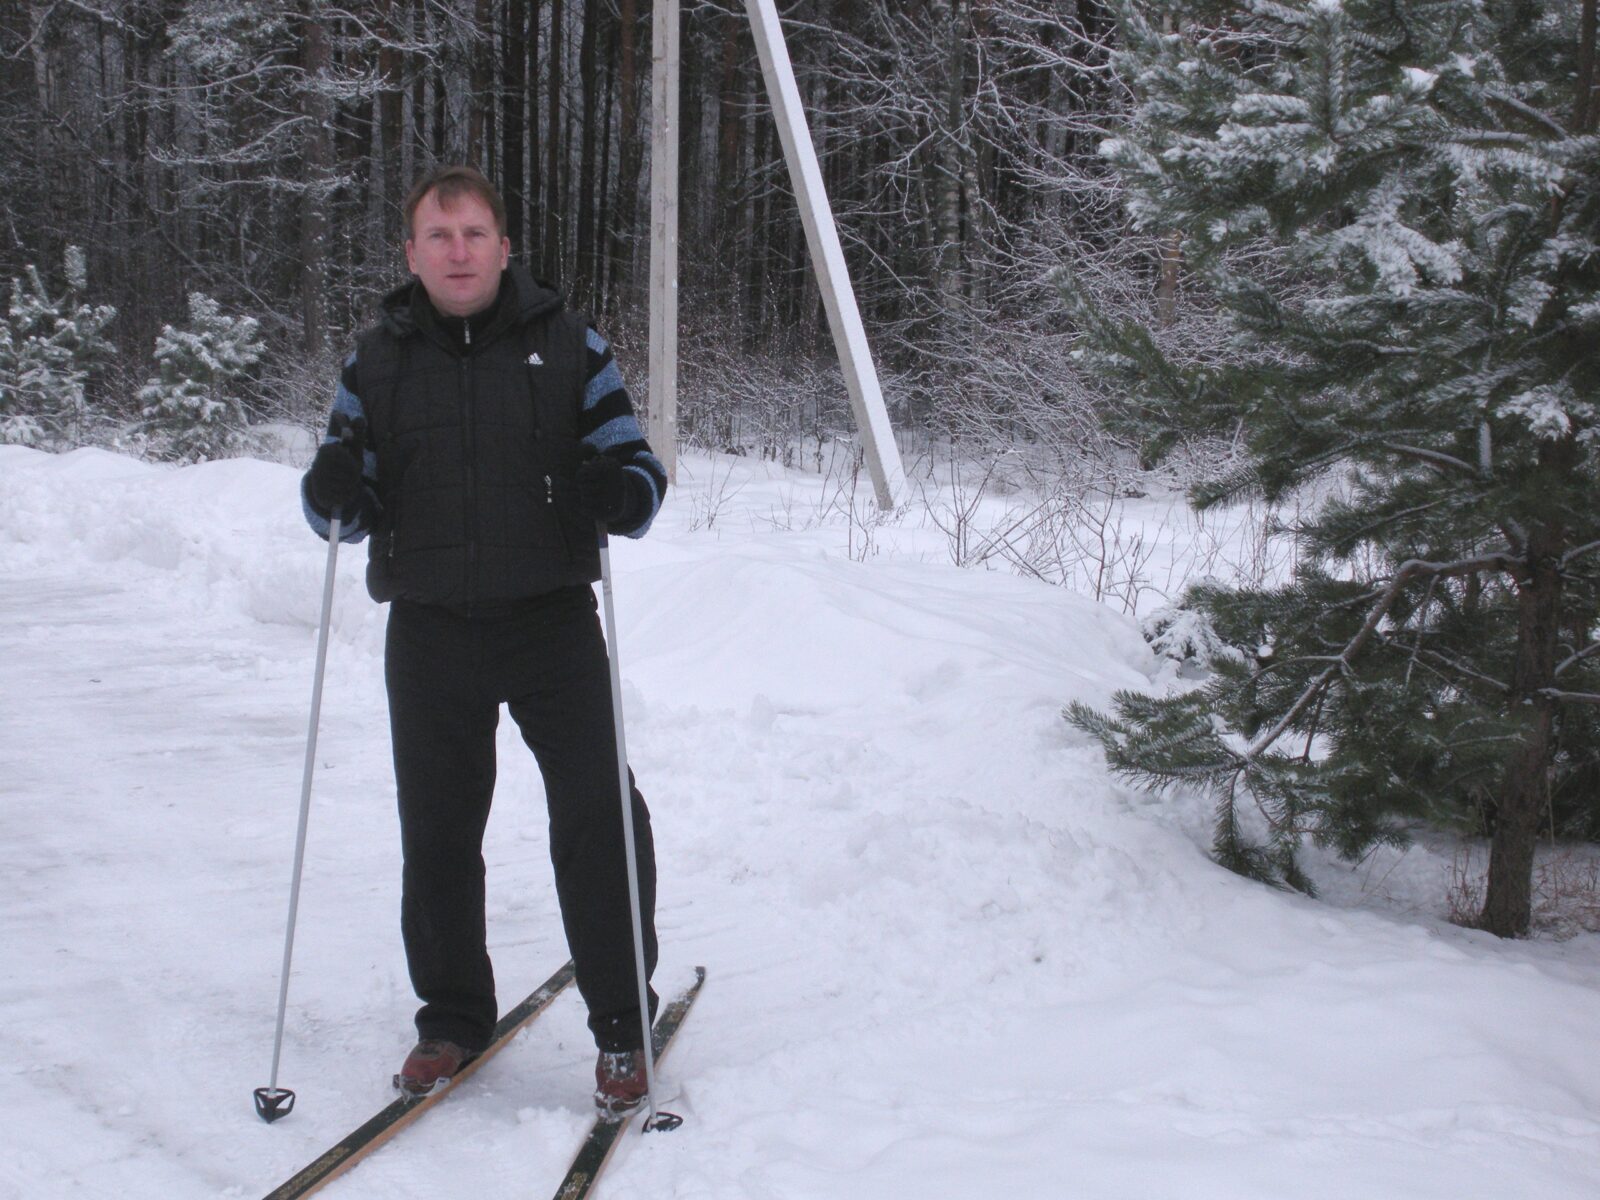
411,256
505,253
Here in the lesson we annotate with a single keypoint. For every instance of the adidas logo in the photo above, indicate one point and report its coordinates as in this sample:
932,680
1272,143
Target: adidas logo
534,360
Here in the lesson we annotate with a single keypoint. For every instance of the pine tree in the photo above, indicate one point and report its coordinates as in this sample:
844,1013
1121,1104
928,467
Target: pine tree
192,408
1396,203
48,349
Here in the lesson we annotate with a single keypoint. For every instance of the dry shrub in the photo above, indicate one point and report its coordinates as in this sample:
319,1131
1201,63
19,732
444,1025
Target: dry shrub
1566,890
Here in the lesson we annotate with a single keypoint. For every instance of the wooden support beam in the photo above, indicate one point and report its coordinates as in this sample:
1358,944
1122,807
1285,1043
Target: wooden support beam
827,256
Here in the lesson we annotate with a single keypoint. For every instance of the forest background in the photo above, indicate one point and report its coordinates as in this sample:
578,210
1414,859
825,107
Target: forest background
257,153
202,206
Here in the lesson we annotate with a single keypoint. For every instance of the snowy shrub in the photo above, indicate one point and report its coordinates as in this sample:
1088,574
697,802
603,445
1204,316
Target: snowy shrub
1186,635
49,346
192,411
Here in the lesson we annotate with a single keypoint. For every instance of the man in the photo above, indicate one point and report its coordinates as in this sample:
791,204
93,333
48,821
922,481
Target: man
478,434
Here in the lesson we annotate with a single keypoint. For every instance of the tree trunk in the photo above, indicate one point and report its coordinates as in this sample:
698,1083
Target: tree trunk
1525,792
1170,253
621,239
38,46
427,100
554,193
514,74
388,188
759,235
949,16
585,276
730,129
603,219
1587,113
535,132
318,151
482,51
458,83
409,98
1167,285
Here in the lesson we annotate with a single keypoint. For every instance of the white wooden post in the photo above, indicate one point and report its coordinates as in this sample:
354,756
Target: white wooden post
827,256
664,235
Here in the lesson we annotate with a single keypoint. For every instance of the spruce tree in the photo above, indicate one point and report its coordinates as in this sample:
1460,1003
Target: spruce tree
192,408
48,348
1396,204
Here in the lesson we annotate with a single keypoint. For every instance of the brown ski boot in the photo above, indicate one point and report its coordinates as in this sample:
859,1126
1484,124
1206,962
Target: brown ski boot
430,1066
619,1083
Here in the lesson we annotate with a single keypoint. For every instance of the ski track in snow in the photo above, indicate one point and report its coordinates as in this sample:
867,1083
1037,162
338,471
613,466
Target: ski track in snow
947,957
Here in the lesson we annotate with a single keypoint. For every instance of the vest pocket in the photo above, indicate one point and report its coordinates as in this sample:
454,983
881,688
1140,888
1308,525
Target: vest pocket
403,459
556,515
554,462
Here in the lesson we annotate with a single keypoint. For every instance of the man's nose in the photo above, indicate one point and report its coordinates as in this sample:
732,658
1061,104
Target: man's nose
458,248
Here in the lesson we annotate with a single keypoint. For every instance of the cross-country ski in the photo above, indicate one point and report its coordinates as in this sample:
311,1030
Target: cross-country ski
403,1110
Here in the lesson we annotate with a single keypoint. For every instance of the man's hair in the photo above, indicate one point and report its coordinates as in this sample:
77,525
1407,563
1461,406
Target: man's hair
452,183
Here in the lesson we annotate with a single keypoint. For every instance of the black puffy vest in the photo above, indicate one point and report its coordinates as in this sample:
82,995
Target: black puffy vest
476,453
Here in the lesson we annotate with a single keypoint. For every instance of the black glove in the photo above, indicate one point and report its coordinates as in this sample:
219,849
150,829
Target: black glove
602,486
334,481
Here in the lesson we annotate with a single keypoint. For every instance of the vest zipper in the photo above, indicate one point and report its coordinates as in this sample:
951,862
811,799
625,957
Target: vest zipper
533,389
469,429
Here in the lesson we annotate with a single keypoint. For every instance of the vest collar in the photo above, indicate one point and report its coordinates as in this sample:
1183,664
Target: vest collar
406,310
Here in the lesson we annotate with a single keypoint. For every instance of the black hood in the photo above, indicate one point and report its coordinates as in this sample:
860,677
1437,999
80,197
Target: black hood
521,299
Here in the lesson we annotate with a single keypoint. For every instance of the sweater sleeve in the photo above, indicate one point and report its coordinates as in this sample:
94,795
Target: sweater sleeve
346,408
609,424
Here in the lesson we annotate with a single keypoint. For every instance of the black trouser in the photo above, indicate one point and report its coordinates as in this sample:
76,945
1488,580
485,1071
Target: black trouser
447,676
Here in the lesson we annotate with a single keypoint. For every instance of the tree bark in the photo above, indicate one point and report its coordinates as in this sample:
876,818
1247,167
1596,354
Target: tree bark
759,233
409,98
1587,113
554,192
478,103
620,240
950,17
730,138
1170,254
318,150
535,145
585,274
387,188
1525,792
427,100
603,217
1167,285
513,126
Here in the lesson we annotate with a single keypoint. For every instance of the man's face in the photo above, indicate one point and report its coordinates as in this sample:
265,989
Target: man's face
457,252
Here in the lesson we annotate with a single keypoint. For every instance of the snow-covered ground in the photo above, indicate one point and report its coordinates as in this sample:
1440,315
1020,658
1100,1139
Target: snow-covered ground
948,957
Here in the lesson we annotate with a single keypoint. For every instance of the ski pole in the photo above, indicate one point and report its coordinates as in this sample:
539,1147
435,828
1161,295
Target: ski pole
272,1101
661,1121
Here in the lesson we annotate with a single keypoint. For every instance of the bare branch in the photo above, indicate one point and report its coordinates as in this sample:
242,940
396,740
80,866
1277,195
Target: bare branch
1410,570
1568,697
1579,551
1435,457
1573,660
